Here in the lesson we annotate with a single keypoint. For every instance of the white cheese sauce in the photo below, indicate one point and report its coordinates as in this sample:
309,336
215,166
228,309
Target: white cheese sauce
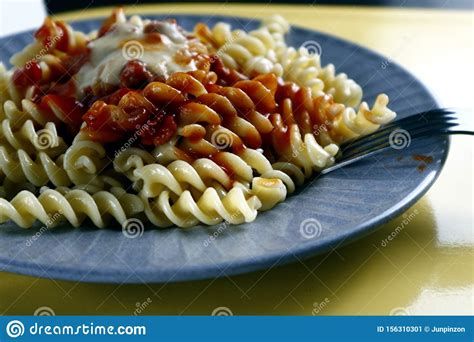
126,41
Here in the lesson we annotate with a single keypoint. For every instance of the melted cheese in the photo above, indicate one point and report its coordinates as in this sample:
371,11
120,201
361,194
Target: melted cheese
126,41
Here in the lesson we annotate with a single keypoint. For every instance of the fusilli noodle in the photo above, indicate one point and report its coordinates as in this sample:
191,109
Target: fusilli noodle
143,120
30,139
264,50
8,91
74,206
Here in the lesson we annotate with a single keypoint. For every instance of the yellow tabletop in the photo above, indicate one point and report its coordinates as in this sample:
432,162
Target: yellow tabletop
428,268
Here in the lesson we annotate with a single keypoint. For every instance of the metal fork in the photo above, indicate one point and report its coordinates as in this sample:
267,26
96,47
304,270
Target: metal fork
398,134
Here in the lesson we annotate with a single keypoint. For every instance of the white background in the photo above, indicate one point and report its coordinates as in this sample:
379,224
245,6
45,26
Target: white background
20,15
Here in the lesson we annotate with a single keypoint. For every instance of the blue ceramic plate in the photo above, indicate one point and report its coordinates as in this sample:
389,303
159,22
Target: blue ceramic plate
325,213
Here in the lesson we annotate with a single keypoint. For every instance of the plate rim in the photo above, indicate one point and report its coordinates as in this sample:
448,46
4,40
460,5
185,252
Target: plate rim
191,273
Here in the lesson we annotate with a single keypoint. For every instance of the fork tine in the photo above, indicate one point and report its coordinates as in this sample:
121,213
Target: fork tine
436,114
402,124
386,144
345,162
430,114
440,122
402,133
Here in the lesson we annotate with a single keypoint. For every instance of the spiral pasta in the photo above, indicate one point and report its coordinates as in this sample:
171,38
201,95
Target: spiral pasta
52,39
74,206
302,68
83,162
248,128
251,52
141,120
264,50
209,209
80,164
8,91
344,123
20,167
202,173
277,26
50,111
343,89
30,139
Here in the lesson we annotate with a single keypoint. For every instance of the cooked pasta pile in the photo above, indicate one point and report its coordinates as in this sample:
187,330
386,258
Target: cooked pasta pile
144,120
